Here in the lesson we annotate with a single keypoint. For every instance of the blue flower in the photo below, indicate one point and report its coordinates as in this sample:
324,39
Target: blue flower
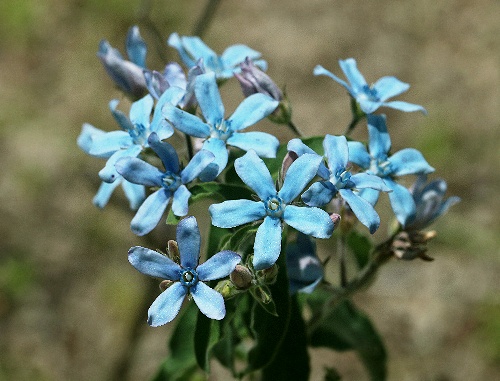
134,193
275,207
377,162
133,138
171,183
188,276
338,179
430,202
305,270
219,131
192,49
370,97
128,75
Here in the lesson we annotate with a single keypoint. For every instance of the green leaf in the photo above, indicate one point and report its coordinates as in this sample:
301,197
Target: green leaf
344,328
206,335
292,360
361,246
219,191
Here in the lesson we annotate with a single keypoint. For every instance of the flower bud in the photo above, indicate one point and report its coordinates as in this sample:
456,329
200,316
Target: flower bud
173,251
335,219
226,288
165,284
412,245
289,158
253,80
268,275
241,277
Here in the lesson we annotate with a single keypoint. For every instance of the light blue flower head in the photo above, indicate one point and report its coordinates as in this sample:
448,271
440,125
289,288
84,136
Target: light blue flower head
376,161
188,276
219,132
370,97
192,49
171,182
430,202
127,74
274,207
305,270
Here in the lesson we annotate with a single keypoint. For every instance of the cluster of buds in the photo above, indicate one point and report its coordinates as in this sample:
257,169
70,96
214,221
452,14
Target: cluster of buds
409,245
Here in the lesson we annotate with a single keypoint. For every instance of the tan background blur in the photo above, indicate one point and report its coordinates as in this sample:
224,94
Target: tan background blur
67,293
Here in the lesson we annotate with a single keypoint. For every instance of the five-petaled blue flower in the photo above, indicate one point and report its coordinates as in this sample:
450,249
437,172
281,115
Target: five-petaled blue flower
171,182
192,49
128,75
188,276
338,179
304,268
376,161
274,206
430,202
219,131
370,98
133,138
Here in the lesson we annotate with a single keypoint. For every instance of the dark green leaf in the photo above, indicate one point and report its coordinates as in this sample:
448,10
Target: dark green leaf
219,191
207,334
361,246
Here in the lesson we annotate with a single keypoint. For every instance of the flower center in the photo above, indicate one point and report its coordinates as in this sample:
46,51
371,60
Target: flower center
369,93
380,167
222,130
171,181
139,134
274,206
189,278
342,179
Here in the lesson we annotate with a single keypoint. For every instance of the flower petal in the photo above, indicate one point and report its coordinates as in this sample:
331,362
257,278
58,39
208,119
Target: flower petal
196,165
136,47
124,122
267,245
365,180
180,201
152,263
209,301
104,145
405,106
150,212
300,172
337,152
380,142
254,173
219,150
352,74
109,173
370,195
208,97
167,305
104,193
166,152
253,109
138,171
409,161
402,202
310,221
140,111
388,87
358,154
320,70
175,41
236,54
197,49
159,124
84,140
264,144
296,145
319,194
231,213
218,266
362,209
185,122
189,242
135,193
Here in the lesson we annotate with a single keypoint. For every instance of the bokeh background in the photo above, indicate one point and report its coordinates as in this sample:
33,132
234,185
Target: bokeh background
69,298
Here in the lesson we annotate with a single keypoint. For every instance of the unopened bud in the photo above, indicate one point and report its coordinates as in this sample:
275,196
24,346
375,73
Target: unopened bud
262,295
335,219
226,288
409,246
173,251
165,284
268,275
253,81
241,277
289,158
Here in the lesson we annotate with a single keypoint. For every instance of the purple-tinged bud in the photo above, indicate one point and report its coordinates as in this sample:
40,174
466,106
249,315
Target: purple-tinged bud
173,251
289,158
241,277
253,81
335,219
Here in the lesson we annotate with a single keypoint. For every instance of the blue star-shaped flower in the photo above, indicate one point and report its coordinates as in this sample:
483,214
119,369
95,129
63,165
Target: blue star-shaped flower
192,49
172,182
338,179
377,162
188,276
275,207
219,131
305,270
370,97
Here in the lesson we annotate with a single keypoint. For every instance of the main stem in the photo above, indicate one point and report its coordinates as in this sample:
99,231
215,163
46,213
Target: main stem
206,17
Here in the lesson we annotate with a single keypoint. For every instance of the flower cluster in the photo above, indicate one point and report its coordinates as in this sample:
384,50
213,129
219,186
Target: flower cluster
316,186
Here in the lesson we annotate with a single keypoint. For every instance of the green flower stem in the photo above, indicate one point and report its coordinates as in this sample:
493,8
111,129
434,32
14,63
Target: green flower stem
294,129
189,145
206,18
357,116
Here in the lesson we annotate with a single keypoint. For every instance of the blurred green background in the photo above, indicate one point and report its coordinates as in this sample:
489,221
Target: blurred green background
68,296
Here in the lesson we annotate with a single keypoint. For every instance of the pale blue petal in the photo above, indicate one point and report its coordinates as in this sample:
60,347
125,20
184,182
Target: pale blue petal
352,74
362,209
261,64
388,87
135,193
267,245
402,202
172,96
106,144
104,193
370,195
167,305
300,172
180,201
196,165
368,106
189,241
365,180
296,145
380,142
209,301
405,106
304,268
152,263
150,212
124,122
137,171
253,109
136,47
337,152
264,144
254,173
109,173
320,70
231,213
174,75
84,140
175,41
218,266
319,194
155,83
236,54
197,49
140,111
208,97
409,161
185,122
358,154
311,221
166,152
219,149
